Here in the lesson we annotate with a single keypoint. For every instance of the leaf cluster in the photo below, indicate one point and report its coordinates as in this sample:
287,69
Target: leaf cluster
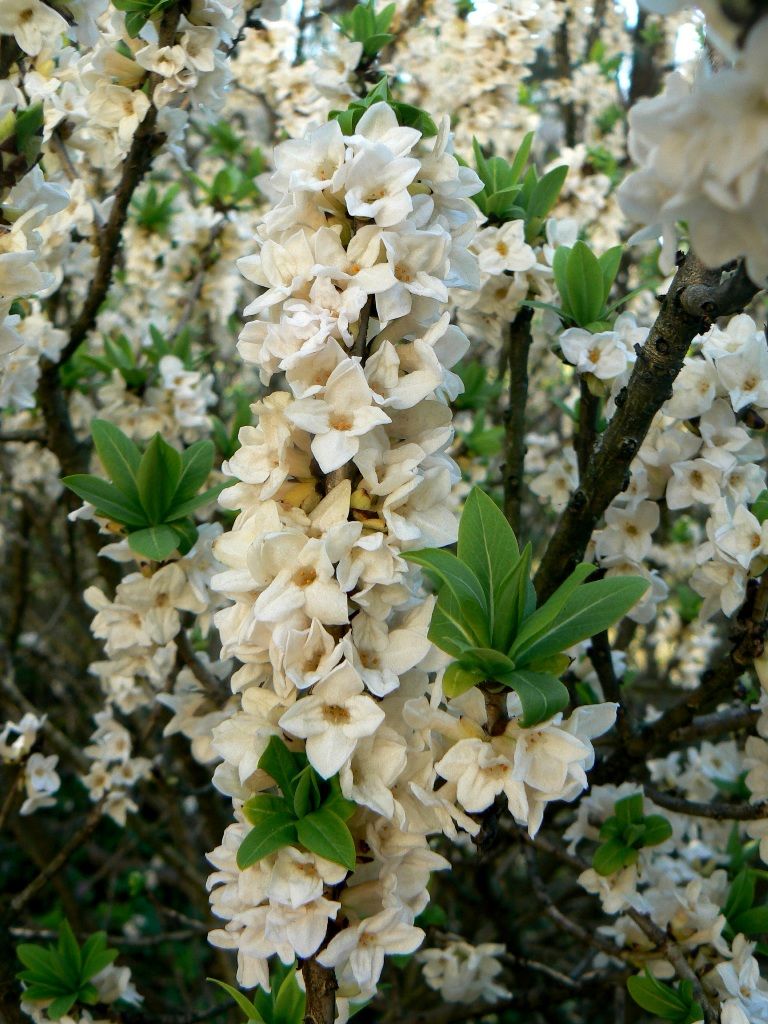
152,494
153,211
139,12
741,914
407,115
584,282
62,973
138,370
627,832
311,812
513,192
487,620
285,1003
21,135
673,1003
363,25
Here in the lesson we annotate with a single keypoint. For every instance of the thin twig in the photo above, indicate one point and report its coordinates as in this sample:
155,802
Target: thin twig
517,347
717,810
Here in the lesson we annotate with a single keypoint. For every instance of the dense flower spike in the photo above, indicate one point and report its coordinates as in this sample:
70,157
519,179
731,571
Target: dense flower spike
341,474
410,340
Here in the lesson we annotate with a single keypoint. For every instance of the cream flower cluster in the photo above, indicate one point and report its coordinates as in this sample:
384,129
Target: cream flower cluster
23,208
463,973
40,779
701,152
343,472
139,625
682,885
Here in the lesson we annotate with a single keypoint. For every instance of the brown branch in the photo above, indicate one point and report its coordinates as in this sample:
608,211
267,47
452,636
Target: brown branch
718,811
57,862
71,453
517,348
586,427
717,724
667,946
23,436
658,364
321,988
202,674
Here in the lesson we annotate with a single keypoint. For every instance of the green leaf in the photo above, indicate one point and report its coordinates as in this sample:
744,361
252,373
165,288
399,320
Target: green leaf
545,192
751,922
487,545
276,832
119,456
182,510
657,830
301,794
609,262
186,531
278,761
263,806
96,956
242,1001
70,956
656,997
759,507
590,609
196,466
541,695
512,601
741,894
461,583
521,157
447,629
560,271
61,1005
458,678
105,498
537,624
158,476
611,857
323,832
494,664
585,284
155,542
629,809
290,1001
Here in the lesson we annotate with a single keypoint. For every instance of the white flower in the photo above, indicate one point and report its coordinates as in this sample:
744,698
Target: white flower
298,878
693,391
363,946
419,263
377,185
333,718
31,22
698,480
599,354
462,973
628,531
741,537
504,249
310,163
481,773
41,781
744,374
338,419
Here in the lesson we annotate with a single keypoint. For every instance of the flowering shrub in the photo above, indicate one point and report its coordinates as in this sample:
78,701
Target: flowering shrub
384,513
